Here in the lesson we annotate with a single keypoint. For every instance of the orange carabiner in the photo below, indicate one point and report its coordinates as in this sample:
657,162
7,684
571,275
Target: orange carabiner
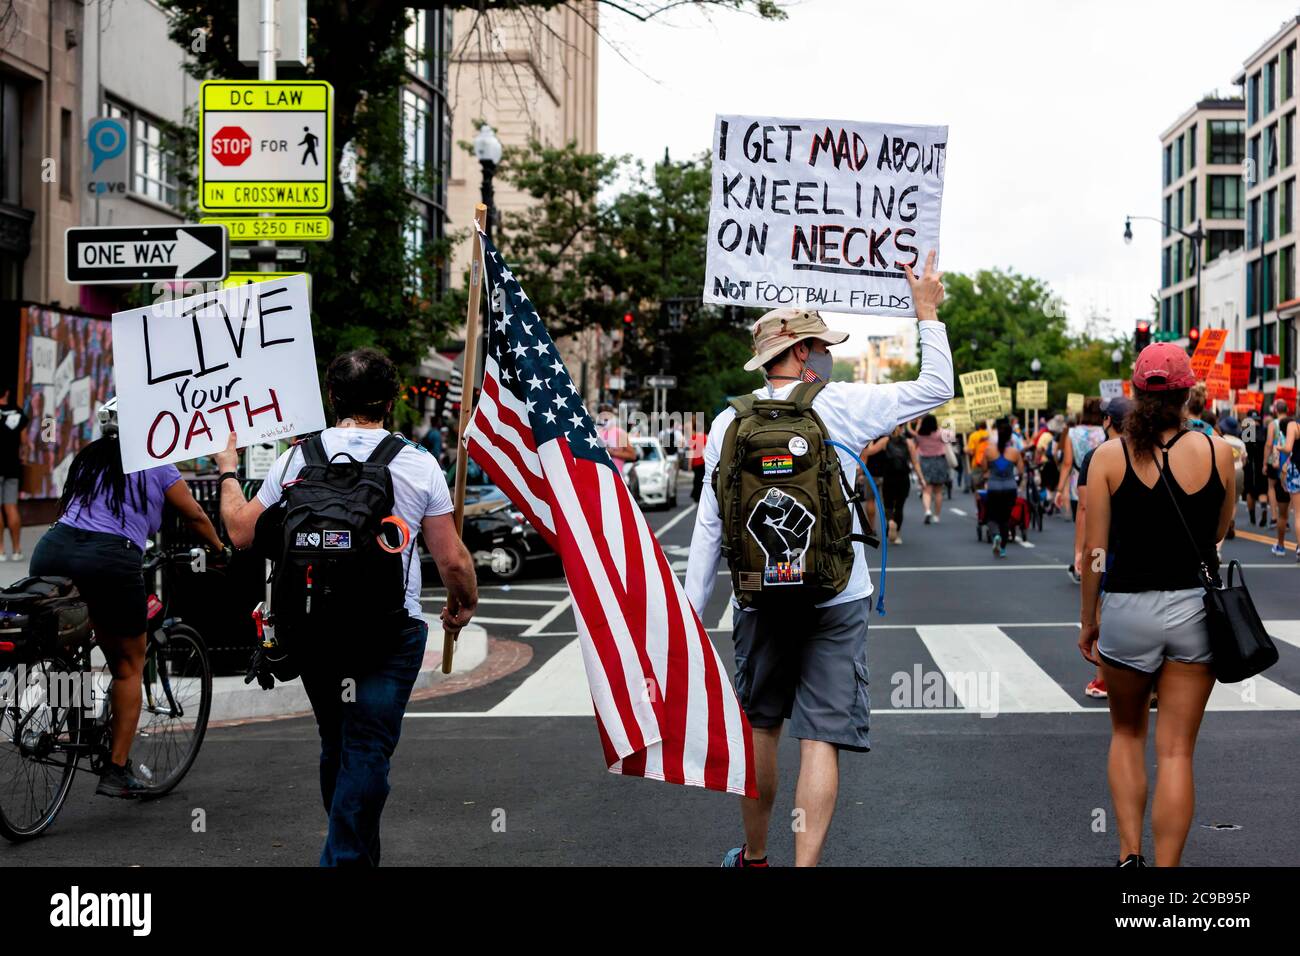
401,526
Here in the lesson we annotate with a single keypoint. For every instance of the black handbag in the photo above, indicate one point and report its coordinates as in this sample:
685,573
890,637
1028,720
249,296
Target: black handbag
1238,642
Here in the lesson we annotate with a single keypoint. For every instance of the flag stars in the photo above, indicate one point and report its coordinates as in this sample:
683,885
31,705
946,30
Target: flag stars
549,416
503,323
534,382
577,420
540,347
519,349
560,400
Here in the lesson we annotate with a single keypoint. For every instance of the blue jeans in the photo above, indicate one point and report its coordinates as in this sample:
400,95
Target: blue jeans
358,736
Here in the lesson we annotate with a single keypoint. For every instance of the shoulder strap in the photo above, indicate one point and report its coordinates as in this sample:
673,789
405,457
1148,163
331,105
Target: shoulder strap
804,393
743,404
1191,539
387,450
313,451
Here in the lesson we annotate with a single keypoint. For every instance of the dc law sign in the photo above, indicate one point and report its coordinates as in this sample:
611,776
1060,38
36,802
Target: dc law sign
822,213
191,371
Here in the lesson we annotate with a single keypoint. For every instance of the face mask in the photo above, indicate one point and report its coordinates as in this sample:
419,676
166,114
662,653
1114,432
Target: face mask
820,364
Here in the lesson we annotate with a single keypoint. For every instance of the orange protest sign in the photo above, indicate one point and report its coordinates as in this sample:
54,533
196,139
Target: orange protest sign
1217,383
1250,400
1207,350
1239,366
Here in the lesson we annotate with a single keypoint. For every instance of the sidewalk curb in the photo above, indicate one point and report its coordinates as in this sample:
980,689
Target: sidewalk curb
234,701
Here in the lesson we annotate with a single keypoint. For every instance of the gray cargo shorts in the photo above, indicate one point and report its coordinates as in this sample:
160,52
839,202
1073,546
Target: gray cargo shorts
808,666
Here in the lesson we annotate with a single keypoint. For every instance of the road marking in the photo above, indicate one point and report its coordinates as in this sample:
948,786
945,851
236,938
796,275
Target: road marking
672,523
1263,539
556,689
540,624
1288,631
1022,686
521,621
1264,694
957,511
514,600
724,622
1025,544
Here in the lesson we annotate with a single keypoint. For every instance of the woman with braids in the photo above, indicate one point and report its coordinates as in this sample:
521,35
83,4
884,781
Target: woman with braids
1157,506
98,541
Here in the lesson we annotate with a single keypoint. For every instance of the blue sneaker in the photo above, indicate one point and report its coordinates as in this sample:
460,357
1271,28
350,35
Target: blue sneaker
1278,551
736,858
998,550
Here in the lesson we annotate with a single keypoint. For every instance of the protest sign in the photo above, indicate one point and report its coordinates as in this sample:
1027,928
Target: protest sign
1031,395
1238,367
190,371
1111,388
1005,392
983,397
1248,400
822,213
1286,393
952,415
1216,383
1207,350
1074,403
44,354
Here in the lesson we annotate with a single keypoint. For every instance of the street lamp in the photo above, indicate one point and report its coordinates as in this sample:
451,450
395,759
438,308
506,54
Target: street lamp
1196,237
487,150
1035,366
1117,356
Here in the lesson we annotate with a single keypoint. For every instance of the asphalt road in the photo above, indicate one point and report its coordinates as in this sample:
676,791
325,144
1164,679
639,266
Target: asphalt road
508,771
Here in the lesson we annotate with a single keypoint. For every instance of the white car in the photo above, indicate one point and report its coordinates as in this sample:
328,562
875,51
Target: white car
652,478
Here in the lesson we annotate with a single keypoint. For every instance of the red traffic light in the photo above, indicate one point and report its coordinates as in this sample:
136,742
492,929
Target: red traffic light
627,318
1143,326
1193,334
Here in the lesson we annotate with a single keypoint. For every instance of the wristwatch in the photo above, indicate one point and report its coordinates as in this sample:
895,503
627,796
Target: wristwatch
227,474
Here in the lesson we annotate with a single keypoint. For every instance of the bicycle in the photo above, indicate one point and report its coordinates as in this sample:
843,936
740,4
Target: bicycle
49,729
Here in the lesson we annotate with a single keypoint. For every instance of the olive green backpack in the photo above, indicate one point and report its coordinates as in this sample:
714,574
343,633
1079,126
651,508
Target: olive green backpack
787,530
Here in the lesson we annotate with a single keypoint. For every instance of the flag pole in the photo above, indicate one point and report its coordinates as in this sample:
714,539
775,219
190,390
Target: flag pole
468,374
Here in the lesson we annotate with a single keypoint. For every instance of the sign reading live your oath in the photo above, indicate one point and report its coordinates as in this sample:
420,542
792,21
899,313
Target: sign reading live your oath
190,371
822,213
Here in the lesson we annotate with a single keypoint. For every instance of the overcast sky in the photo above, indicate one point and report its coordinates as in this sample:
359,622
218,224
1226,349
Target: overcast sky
1054,111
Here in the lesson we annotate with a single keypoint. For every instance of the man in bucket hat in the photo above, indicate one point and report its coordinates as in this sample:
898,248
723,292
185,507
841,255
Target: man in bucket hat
813,674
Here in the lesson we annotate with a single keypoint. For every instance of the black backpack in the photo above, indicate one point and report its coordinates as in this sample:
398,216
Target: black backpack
898,457
333,584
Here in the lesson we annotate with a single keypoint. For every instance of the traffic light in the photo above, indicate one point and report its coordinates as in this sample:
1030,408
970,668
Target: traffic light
628,319
1141,336
1193,336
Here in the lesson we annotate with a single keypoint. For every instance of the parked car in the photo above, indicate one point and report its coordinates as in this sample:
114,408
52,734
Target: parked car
652,478
496,533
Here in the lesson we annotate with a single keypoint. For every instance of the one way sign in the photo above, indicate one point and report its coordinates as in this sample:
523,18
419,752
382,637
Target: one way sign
117,255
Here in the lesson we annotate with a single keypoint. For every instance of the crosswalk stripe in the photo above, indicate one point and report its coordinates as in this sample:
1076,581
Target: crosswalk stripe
1255,693
724,622
556,689
1288,631
541,623
979,650
957,511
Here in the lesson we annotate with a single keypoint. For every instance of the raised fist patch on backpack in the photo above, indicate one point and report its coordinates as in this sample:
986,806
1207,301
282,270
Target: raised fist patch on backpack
785,506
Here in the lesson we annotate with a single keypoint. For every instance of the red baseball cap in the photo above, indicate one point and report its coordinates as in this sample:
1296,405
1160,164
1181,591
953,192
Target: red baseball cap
1161,367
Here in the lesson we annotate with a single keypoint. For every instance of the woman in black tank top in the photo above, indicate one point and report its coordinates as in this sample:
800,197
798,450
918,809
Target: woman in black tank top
1142,618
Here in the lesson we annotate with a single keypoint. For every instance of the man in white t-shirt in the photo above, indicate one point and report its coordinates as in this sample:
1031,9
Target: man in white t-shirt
809,665
359,731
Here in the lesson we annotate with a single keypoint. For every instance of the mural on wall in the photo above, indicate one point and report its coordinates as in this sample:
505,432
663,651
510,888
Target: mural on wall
67,374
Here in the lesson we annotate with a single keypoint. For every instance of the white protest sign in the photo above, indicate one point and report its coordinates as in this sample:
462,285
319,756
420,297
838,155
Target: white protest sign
190,371
45,353
822,213
1111,388
79,396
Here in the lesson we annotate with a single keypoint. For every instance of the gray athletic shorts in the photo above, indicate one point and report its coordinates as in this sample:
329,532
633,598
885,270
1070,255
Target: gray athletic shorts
1143,629
8,491
808,666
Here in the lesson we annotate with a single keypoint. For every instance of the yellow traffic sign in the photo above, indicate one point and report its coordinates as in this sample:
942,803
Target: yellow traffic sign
243,278
297,228
266,146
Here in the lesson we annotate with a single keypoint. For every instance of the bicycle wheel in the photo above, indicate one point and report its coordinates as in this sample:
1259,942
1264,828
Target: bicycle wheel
175,708
38,722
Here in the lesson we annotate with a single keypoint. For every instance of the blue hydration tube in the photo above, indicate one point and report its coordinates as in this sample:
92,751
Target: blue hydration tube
880,511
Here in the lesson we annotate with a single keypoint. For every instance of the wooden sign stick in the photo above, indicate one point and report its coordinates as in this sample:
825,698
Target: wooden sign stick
468,374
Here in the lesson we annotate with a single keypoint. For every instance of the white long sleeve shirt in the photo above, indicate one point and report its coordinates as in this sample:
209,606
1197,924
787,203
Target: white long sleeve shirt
855,414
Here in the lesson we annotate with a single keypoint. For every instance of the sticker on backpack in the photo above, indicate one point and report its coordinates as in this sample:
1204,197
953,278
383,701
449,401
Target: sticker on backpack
306,539
783,529
774,465
338,540
798,445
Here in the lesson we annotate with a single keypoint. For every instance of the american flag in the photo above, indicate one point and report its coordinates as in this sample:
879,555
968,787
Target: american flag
664,706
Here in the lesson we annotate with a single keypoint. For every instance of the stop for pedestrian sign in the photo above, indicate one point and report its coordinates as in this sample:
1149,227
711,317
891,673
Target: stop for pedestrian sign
267,146
231,145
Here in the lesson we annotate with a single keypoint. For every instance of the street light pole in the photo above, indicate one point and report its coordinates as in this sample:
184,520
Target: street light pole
487,150
1196,237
